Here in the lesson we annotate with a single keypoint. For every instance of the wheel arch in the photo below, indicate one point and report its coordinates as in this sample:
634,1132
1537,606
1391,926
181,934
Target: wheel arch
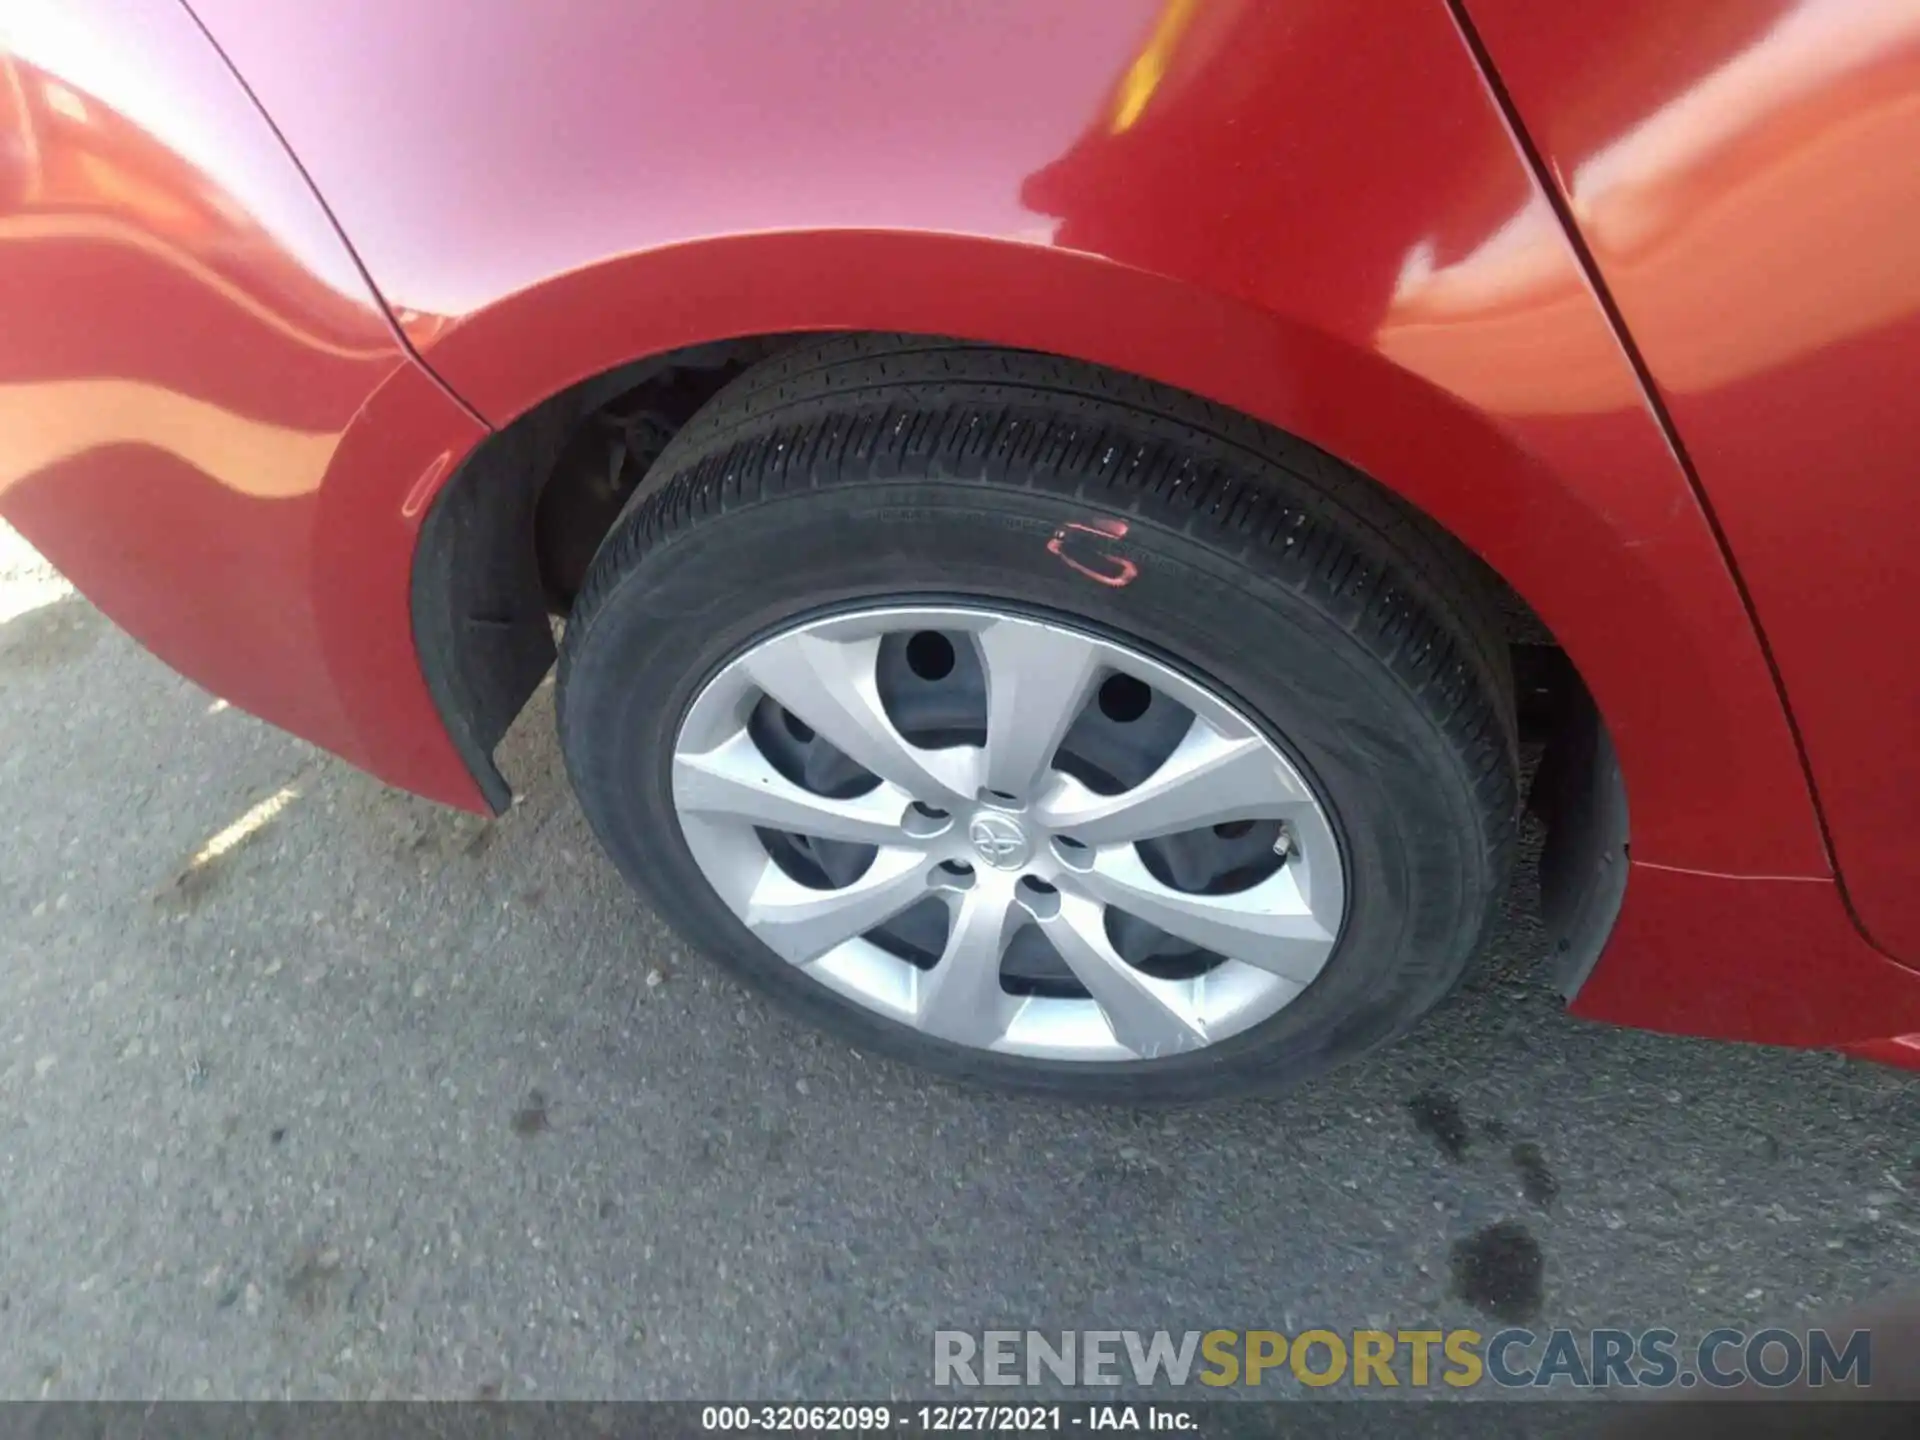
1642,605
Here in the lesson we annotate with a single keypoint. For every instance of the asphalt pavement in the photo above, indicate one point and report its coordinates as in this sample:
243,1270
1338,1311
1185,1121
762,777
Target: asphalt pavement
312,1089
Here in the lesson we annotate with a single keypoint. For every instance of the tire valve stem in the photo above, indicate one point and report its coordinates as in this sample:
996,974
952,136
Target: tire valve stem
1283,843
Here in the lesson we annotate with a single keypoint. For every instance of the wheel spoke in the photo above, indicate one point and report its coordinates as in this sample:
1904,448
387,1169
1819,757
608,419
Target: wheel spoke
802,924
830,685
1144,1014
1207,779
734,781
1037,682
961,999
1268,927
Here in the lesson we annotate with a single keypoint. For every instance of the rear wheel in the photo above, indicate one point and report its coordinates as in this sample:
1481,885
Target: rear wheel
1042,726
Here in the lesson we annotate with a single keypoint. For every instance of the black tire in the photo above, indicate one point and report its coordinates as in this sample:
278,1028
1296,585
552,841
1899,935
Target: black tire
853,470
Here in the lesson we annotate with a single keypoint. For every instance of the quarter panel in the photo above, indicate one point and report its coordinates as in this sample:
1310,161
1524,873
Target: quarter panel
1745,175
1311,211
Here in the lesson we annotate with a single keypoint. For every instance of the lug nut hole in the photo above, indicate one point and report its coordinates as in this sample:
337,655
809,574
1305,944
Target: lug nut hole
1072,852
930,655
1041,899
1124,699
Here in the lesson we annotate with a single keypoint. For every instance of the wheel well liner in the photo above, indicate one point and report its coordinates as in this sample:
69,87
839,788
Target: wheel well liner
481,598
480,619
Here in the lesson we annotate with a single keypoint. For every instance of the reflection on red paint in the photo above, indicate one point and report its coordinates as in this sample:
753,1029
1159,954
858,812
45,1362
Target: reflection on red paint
1762,213
427,486
187,348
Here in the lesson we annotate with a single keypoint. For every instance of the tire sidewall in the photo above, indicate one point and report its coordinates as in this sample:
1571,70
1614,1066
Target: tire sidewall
1416,880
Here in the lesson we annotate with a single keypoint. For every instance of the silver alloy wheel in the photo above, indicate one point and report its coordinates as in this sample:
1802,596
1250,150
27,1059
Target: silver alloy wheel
1006,840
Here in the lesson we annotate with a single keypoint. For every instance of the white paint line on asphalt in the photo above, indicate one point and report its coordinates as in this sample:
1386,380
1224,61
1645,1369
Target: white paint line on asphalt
248,824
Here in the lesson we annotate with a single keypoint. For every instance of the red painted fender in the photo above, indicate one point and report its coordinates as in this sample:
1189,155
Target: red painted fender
1311,212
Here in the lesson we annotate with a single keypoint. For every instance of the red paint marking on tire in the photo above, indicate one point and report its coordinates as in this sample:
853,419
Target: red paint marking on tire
1102,564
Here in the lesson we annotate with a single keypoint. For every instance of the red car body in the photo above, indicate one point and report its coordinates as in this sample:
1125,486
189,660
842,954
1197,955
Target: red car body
1622,296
